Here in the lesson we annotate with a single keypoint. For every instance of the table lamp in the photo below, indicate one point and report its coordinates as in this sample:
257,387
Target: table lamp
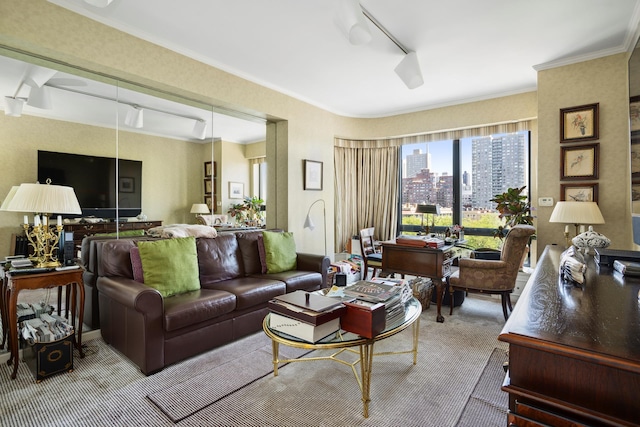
428,209
42,200
199,209
576,213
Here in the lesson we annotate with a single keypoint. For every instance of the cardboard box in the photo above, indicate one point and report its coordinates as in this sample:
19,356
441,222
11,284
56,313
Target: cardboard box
364,318
49,358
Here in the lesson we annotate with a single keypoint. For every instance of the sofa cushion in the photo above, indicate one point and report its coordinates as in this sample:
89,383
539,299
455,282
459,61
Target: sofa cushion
170,266
251,291
218,259
136,265
194,307
280,250
248,244
299,280
123,233
263,255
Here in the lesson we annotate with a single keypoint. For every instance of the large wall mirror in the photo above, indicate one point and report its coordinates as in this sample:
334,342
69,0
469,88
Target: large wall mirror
168,139
634,122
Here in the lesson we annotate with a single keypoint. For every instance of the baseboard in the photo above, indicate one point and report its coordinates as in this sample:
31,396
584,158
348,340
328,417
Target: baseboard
86,336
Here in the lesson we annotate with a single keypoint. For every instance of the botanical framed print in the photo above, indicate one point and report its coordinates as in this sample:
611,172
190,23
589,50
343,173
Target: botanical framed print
635,192
634,113
579,162
312,175
208,186
236,190
579,192
209,169
635,161
579,123
210,201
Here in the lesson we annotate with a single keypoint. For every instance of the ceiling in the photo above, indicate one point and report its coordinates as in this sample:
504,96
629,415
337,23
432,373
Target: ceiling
467,49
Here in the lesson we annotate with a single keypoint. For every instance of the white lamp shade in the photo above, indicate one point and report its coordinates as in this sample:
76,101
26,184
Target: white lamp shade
352,22
577,213
134,117
409,71
9,198
199,208
44,198
13,106
308,223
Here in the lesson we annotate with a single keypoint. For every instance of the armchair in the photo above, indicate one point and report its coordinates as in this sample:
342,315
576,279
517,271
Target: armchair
494,276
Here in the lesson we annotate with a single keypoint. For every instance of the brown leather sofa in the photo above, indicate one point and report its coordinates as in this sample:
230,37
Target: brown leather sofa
154,332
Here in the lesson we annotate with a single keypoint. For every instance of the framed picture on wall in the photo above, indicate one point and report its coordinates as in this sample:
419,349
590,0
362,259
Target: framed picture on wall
579,123
236,190
579,162
127,184
209,169
208,186
312,175
579,192
634,113
210,201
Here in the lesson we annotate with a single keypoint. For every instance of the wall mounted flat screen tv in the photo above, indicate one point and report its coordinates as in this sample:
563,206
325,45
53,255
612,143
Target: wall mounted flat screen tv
94,180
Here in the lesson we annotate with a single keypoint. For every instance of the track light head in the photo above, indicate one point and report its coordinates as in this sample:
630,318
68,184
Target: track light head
409,71
13,106
351,21
200,129
134,117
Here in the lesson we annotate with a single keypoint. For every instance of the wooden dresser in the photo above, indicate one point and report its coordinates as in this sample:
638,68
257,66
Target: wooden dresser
80,231
574,352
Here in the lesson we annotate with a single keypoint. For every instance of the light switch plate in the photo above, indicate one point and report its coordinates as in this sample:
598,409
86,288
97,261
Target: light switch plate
545,201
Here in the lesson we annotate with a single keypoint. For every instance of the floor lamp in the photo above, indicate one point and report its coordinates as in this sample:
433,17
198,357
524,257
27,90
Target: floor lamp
308,223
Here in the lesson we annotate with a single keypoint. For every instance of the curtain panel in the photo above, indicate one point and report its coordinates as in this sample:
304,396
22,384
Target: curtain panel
366,192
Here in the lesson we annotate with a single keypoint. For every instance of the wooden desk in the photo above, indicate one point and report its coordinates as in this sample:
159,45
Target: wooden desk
17,283
424,262
574,352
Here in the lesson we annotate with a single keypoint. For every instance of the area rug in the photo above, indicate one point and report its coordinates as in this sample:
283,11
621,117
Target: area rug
487,405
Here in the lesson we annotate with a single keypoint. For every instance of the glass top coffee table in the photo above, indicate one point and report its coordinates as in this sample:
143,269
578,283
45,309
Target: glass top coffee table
344,341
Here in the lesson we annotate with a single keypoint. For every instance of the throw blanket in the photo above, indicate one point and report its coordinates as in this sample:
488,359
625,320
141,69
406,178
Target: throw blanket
182,230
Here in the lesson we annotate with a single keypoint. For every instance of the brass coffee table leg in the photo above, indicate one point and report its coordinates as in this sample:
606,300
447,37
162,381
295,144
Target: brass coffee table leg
416,335
366,361
275,348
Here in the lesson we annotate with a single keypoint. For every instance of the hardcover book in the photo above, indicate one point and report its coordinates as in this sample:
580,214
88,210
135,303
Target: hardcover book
370,291
302,330
309,301
308,316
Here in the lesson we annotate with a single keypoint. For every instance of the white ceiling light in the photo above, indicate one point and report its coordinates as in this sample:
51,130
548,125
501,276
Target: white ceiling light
409,71
200,129
351,21
99,3
13,106
40,97
134,117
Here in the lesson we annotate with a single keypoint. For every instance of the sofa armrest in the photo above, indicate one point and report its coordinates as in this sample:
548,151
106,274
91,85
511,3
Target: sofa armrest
313,262
132,294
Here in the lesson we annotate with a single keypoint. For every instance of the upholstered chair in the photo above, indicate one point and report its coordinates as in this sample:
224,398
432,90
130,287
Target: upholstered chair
371,257
494,276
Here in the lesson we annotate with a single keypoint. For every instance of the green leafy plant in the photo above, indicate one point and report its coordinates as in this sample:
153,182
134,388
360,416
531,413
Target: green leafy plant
514,208
248,212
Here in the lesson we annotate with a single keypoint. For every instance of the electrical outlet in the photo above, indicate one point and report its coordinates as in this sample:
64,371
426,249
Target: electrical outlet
545,201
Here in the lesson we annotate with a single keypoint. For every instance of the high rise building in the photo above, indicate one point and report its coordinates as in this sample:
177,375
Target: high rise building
416,162
497,164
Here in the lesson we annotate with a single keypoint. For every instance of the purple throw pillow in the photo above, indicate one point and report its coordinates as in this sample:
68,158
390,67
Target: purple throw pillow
136,265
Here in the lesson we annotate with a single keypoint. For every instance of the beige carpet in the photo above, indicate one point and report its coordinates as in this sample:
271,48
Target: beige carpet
106,389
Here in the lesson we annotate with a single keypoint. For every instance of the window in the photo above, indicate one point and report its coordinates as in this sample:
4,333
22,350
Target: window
259,180
462,176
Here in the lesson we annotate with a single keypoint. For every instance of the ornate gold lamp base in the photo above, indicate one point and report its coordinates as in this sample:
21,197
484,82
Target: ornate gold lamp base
45,243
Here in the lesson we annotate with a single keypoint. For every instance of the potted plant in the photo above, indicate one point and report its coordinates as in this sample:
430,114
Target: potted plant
248,212
514,208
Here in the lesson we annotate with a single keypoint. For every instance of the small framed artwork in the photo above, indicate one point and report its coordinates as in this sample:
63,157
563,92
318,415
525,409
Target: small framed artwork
208,186
210,201
635,161
579,123
312,175
126,184
635,192
209,169
579,162
236,190
587,192
634,113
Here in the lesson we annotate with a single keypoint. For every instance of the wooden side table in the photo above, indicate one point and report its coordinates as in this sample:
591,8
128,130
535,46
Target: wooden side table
17,283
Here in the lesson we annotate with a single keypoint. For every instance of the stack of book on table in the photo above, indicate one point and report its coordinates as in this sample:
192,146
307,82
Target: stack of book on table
385,291
305,315
628,268
435,243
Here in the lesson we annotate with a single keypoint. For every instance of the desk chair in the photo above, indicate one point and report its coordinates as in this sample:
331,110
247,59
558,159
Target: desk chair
494,276
372,258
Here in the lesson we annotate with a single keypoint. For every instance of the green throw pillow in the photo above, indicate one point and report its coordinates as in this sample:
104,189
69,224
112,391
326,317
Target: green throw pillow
124,233
171,265
280,251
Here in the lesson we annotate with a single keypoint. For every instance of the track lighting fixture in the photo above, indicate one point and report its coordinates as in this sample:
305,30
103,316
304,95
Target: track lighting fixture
409,71
134,117
351,21
200,129
13,106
